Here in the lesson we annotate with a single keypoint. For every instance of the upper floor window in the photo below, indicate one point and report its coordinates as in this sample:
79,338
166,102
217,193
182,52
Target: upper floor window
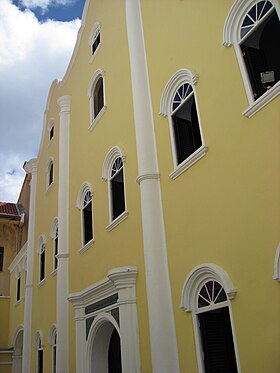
113,171
178,102
253,27
42,258
40,352
52,342
51,129
50,173
94,39
84,203
96,95
54,236
18,283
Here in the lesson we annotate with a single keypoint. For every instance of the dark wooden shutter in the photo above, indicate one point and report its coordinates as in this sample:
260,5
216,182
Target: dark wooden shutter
256,63
217,341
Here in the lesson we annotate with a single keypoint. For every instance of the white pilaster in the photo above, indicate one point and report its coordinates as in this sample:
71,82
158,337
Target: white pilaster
29,167
62,312
161,318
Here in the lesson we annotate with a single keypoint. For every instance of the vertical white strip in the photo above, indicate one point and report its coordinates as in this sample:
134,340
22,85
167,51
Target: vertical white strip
161,318
62,310
80,339
29,167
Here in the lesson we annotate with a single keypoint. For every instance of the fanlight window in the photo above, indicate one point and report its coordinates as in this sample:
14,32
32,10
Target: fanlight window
211,293
117,188
259,33
186,130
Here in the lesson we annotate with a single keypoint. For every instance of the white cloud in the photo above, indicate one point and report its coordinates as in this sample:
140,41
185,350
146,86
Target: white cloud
32,54
44,4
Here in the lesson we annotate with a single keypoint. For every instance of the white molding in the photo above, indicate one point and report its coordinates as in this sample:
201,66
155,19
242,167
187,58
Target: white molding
147,176
99,73
262,101
188,162
178,78
117,221
52,334
87,246
94,32
97,118
18,258
109,160
276,275
118,280
38,338
85,187
199,275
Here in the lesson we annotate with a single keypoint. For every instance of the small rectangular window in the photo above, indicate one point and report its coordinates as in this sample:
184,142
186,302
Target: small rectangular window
1,258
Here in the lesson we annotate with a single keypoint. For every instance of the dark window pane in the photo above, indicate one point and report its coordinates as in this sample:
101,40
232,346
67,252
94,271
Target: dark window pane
42,265
51,174
96,43
51,133
117,190
40,361
87,217
1,258
18,289
98,97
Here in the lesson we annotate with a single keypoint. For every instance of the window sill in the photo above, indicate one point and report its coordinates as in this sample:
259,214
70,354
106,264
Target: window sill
187,163
54,272
262,101
86,246
97,118
117,221
41,283
49,187
17,303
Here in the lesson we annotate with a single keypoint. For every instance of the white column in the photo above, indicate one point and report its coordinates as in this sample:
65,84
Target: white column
62,310
29,167
80,339
161,318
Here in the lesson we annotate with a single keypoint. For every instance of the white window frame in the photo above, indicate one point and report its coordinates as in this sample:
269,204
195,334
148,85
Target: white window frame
180,77
194,281
54,236
50,127
52,340
48,170
39,346
113,154
91,88
41,250
92,38
276,275
231,36
85,188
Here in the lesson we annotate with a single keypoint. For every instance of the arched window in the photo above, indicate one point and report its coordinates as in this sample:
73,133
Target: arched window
206,293
96,93
42,258
94,40
50,172
52,341
113,172
84,203
253,28
51,129
40,352
54,236
179,103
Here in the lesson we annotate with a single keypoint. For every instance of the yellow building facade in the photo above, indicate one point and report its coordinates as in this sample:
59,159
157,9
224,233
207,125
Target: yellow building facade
153,233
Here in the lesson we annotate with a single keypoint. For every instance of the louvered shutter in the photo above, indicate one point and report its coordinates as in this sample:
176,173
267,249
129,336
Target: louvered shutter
218,347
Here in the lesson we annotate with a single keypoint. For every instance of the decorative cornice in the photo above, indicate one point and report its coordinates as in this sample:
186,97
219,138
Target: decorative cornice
30,167
147,176
64,104
62,256
112,155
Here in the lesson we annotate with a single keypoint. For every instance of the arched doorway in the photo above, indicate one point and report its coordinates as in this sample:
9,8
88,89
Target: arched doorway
17,354
105,348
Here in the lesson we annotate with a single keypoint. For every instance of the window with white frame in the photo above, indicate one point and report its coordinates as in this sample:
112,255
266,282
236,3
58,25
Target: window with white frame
52,341
18,283
42,258
253,28
40,352
54,236
50,173
113,172
94,40
51,129
207,293
96,93
84,203
179,104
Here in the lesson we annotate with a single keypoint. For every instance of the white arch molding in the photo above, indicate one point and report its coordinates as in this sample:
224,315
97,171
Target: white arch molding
17,346
276,275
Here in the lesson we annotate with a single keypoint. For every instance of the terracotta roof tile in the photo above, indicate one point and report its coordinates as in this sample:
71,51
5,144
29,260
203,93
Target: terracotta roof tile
9,210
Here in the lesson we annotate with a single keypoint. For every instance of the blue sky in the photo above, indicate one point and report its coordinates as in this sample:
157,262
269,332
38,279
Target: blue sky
37,38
